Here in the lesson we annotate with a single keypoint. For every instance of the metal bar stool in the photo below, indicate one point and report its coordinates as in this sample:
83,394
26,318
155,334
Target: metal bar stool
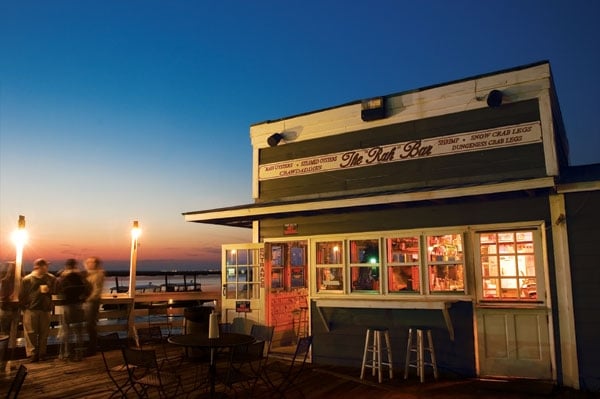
419,348
372,353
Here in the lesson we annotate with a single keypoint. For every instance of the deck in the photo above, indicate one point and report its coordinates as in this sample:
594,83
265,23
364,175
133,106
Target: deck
61,379
56,378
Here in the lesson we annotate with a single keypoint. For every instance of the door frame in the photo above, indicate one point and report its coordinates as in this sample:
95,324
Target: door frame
256,266
511,315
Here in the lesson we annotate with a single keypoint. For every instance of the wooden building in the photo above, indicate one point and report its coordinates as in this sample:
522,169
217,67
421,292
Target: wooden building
452,206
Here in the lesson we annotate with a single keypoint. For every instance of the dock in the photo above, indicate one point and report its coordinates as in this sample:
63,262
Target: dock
190,280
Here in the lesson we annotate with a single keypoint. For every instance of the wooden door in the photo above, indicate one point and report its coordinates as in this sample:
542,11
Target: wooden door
512,312
243,289
514,343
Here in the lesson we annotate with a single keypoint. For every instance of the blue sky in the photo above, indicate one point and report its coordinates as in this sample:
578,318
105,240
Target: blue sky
114,111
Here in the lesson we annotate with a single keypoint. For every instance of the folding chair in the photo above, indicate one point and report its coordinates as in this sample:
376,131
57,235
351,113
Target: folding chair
17,383
115,368
245,367
143,371
225,327
281,376
263,333
159,316
151,338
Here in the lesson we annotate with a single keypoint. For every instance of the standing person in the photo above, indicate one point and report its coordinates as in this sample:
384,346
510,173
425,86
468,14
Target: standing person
35,298
74,289
9,310
95,278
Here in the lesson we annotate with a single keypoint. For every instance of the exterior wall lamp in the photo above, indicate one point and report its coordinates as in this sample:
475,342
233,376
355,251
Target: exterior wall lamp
494,98
373,109
274,139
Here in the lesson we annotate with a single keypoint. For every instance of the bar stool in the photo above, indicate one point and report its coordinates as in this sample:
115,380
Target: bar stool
419,348
372,353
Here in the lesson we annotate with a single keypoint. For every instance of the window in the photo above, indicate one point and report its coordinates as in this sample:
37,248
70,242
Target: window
329,266
445,263
364,265
508,265
288,265
277,263
403,261
242,270
396,264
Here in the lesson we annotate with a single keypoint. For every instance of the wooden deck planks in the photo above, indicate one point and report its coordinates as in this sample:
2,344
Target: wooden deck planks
87,379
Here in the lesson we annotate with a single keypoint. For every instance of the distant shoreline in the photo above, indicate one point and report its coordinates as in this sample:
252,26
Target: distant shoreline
152,273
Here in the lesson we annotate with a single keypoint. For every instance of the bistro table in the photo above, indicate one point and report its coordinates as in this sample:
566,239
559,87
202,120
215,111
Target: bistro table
201,340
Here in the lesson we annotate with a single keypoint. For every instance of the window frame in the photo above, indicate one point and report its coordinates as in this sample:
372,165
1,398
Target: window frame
538,240
370,262
445,259
317,287
383,291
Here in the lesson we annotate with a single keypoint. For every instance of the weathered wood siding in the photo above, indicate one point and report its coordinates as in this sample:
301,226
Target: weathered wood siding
457,212
526,161
343,345
583,221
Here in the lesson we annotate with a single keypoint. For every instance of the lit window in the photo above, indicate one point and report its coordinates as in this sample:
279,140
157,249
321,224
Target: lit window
508,265
330,267
403,261
445,262
364,265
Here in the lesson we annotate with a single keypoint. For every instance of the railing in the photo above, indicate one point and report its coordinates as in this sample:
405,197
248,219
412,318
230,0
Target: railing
168,286
122,314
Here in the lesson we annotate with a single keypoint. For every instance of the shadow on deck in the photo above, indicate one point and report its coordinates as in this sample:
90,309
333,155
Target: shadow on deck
56,378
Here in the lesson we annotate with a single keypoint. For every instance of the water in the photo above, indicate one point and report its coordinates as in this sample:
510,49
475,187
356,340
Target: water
209,283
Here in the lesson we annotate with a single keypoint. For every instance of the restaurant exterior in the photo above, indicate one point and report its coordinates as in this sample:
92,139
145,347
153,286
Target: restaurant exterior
451,206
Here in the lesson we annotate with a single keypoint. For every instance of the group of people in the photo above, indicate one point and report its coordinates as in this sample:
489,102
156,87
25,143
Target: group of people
79,293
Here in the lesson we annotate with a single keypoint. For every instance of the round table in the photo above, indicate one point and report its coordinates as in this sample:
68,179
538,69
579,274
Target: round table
201,340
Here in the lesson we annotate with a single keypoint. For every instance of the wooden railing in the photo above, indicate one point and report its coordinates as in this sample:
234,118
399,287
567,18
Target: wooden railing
120,313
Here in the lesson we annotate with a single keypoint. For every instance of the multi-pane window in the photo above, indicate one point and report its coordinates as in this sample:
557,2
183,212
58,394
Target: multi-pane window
242,271
432,263
364,265
288,265
403,261
330,266
411,264
508,265
445,263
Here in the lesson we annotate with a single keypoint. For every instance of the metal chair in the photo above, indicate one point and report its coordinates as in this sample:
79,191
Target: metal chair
283,377
143,371
116,370
263,333
151,338
245,367
17,383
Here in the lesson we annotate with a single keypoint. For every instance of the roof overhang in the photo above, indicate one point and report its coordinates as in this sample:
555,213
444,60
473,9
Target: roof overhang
244,215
